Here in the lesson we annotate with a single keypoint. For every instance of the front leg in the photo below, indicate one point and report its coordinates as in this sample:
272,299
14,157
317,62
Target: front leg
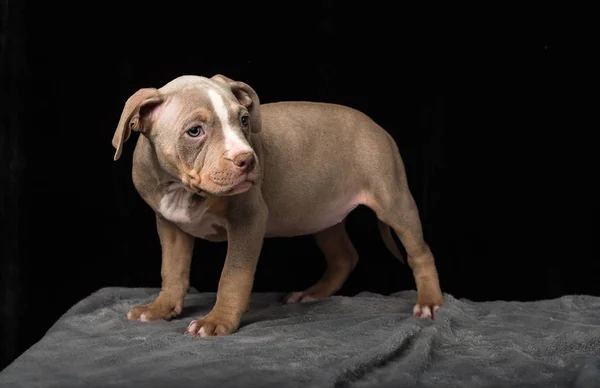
177,249
245,234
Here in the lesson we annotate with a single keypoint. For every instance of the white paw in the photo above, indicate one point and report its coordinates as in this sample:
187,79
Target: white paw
425,311
210,326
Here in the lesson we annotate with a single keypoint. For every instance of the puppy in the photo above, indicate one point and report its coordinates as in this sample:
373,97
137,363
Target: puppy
213,163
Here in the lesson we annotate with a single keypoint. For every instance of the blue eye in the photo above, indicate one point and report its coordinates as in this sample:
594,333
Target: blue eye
195,131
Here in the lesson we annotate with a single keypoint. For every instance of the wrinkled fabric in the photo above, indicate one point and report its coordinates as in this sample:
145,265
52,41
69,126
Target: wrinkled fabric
367,340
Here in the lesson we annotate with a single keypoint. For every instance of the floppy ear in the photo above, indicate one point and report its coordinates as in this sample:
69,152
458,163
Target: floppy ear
135,116
246,96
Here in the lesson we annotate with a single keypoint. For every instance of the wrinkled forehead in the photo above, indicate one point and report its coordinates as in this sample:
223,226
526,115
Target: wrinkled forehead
190,82
190,94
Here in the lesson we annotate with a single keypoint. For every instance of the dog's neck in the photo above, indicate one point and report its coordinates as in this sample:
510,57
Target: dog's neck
180,205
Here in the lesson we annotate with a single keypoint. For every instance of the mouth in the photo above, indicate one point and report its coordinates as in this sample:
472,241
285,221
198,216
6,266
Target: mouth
252,177
244,184
241,185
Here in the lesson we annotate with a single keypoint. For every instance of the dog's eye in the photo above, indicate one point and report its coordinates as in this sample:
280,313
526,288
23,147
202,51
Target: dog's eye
244,120
195,131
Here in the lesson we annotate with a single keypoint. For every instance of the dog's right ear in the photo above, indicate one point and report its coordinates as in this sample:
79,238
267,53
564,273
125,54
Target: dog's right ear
136,116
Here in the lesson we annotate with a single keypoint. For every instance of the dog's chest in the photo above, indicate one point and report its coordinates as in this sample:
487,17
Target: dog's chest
194,215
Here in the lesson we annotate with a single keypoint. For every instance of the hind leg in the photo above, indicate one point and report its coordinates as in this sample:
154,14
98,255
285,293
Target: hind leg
341,259
399,211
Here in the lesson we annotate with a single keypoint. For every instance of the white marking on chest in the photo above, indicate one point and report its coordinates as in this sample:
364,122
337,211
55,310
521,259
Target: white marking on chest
175,204
180,207
233,140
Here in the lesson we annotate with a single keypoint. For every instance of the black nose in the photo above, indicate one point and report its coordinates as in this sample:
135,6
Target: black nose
245,161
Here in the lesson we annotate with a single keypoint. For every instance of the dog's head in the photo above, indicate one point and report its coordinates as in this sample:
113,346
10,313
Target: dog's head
200,129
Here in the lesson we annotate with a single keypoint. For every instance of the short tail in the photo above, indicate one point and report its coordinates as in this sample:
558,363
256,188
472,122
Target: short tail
388,240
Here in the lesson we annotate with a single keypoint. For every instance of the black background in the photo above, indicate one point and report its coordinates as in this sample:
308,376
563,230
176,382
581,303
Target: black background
482,108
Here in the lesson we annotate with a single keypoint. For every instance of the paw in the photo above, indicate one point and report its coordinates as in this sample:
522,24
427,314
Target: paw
425,310
429,299
154,311
301,297
211,325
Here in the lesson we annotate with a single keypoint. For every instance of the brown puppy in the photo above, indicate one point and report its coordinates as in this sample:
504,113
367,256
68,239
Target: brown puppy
215,164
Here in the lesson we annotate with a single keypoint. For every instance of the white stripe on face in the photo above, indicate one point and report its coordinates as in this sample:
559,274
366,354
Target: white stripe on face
233,141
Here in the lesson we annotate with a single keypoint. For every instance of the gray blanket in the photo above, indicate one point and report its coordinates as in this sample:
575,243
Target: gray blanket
367,340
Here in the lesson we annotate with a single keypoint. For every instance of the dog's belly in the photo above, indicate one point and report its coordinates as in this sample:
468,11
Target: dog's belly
287,218
303,220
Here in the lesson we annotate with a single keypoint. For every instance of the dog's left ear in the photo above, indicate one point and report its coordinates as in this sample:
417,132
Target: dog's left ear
246,96
135,115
